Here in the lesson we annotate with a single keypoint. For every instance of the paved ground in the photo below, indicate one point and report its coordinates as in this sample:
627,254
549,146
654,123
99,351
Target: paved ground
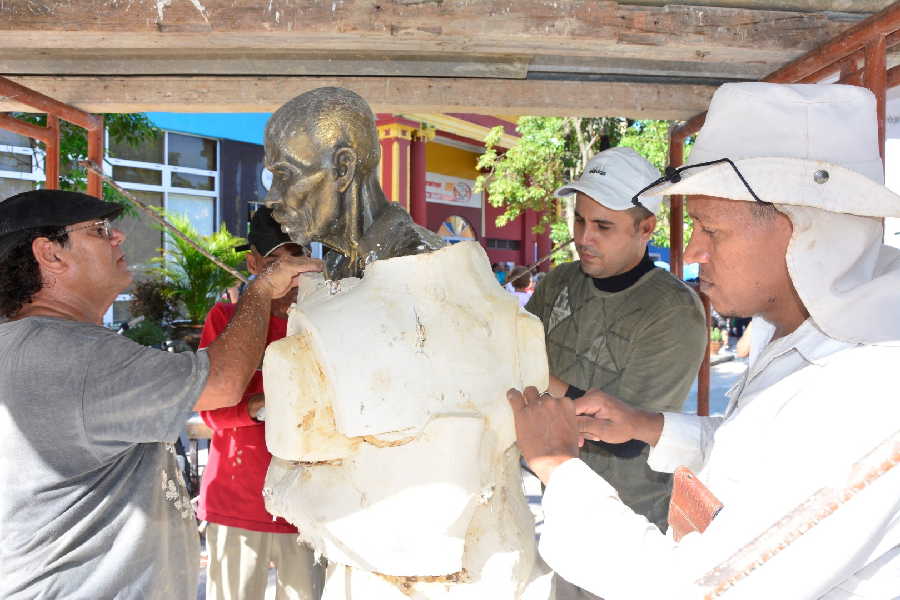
723,376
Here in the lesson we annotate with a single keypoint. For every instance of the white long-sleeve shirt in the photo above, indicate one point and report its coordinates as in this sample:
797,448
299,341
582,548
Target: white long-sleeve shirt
809,407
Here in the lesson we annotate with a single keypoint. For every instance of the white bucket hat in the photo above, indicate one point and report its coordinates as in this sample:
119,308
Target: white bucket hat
812,150
613,177
804,144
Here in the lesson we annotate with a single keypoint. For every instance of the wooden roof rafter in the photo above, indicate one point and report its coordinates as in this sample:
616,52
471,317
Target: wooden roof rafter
182,55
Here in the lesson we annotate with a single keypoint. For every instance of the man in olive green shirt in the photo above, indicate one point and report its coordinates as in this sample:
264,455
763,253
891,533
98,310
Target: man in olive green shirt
615,322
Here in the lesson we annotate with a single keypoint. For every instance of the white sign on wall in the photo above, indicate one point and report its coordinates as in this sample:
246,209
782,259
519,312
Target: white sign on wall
456,191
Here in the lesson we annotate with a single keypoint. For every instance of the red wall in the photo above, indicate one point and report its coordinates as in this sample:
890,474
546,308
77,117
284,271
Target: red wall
533,246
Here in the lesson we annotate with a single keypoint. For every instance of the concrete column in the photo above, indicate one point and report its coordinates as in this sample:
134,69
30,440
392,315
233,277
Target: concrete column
418,207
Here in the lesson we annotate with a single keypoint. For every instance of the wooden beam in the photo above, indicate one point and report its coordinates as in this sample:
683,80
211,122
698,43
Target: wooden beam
881,27
405,55
168,61
713,68
397,94
893,77
885,23
490,27
849,6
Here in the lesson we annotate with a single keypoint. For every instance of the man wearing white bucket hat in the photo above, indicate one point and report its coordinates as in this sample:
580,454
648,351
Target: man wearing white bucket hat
615,322
787,201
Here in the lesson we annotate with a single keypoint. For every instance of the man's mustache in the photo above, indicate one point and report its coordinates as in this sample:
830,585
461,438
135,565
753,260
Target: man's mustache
293,223
587,250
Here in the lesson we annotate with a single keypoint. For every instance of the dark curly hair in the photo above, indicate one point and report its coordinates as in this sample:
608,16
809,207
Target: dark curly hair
20,275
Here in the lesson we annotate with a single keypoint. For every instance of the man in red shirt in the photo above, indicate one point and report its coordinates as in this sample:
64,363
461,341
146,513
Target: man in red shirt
242,538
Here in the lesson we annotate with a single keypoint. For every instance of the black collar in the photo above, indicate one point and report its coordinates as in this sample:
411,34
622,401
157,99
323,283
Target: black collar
625,280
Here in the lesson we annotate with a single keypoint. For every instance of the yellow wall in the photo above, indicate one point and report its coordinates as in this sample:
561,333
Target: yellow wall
451,161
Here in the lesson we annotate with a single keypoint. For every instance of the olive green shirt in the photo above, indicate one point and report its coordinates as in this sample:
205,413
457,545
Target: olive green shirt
643,345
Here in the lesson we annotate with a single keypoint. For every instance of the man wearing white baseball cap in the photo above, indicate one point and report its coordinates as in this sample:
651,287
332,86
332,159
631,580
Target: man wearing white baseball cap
787,201
616,323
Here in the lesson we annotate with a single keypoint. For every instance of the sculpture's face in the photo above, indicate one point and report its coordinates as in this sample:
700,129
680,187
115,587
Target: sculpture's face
305,193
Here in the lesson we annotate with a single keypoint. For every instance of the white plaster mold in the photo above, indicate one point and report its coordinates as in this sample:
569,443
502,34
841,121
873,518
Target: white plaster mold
392,436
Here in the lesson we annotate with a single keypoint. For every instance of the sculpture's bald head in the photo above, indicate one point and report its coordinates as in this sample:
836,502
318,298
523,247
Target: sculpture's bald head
332,117
317,146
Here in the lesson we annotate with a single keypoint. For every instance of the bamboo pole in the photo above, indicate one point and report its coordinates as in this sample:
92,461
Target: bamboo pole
801,519
547,256
154,216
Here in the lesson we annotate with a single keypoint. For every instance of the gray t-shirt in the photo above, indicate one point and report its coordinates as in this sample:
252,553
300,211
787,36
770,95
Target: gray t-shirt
92,503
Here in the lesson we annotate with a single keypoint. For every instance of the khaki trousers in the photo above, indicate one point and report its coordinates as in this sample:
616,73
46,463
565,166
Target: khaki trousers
238,567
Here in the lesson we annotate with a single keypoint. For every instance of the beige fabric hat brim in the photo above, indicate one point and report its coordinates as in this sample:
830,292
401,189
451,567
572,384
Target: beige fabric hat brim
847,279
789,181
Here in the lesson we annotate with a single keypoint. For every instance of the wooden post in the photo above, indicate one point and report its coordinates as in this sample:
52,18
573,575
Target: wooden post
676,209
95,156
676,251
51,160
703,376
418,207
875,79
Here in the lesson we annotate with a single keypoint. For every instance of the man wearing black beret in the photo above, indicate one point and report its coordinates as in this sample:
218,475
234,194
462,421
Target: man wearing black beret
93,505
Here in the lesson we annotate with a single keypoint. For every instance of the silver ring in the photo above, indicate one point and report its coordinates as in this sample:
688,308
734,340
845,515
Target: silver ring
542,394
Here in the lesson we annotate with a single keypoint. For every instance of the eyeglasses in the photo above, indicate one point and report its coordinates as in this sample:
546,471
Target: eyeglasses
673,175
102,228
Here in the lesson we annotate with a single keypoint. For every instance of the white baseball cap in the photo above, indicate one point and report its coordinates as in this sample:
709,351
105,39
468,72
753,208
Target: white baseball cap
613,177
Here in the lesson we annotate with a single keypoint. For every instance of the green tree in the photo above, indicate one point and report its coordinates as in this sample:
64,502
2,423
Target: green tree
192,279
131,128
553,150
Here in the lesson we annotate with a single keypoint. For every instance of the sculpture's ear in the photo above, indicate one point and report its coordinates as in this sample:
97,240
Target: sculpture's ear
345,167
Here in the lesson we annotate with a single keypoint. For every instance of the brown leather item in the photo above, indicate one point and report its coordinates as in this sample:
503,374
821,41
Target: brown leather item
692,507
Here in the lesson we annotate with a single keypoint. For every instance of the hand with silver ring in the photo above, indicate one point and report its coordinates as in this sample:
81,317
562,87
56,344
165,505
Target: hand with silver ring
546,429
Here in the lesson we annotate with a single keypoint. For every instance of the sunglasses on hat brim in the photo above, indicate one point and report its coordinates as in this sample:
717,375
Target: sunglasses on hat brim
673,175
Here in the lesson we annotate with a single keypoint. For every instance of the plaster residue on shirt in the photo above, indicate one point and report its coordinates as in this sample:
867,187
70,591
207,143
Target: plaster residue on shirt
175,489
561,309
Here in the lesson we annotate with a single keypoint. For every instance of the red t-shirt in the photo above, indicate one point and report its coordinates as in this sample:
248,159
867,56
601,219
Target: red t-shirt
231,490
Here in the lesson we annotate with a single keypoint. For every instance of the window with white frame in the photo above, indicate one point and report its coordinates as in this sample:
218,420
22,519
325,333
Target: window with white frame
252,207
177,170
21,166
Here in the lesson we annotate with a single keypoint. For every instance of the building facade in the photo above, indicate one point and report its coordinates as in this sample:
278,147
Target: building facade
210,168
428,166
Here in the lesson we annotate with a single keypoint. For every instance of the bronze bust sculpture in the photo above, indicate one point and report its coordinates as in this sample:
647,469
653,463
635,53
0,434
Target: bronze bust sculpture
392,440
322,149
